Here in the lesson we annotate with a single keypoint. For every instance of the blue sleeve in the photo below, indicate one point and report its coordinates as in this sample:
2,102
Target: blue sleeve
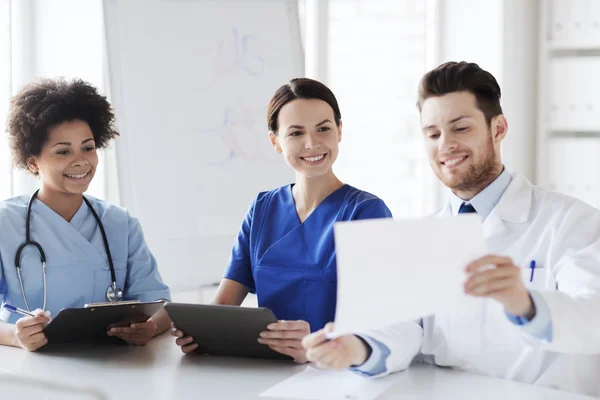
4,315
374,209
3,286
143,279
540,326
375,364
239,267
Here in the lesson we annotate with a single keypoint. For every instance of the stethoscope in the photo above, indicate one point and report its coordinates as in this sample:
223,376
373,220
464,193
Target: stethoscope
113,293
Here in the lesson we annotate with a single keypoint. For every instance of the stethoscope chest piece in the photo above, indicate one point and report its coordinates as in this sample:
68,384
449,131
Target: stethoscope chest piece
113,293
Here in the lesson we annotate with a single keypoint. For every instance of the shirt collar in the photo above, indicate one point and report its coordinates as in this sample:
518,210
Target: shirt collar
485,201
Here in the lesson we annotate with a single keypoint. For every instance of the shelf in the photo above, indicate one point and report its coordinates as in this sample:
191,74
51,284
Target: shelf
572,46
573,51
574,133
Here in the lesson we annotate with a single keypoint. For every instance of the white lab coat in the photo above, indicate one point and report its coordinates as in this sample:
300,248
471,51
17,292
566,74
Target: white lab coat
562,235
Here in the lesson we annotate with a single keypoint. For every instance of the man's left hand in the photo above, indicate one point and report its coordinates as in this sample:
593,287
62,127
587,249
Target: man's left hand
502,283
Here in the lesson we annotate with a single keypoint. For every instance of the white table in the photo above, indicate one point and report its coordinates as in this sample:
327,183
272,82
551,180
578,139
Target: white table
160,371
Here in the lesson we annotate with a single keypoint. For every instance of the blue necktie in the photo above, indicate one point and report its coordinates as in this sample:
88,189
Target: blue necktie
466,208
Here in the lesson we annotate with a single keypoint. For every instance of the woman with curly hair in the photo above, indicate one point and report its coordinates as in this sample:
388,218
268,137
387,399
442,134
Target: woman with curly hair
79,249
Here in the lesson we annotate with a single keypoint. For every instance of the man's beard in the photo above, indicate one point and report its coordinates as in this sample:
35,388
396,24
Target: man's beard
481,175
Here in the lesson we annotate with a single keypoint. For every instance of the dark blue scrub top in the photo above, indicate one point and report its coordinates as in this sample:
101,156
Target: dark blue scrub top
291,265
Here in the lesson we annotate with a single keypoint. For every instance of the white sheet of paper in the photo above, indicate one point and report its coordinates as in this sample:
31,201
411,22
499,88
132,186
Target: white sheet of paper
315,384
398,270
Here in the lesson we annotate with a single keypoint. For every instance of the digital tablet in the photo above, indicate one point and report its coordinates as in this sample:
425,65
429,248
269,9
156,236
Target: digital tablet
225,330
89,325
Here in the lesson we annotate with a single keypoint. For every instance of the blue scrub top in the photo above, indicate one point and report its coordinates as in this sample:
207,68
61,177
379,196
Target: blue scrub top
77,266
291,265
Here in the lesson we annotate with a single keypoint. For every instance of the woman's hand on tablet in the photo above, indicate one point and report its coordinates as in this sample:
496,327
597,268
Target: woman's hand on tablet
185,342
139,333
285,337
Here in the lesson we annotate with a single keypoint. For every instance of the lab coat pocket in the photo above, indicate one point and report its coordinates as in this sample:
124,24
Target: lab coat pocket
103,279
535,278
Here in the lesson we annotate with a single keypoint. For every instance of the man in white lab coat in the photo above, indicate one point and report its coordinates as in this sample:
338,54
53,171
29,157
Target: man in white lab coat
539,320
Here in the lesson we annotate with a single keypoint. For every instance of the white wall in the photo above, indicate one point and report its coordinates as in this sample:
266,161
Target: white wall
316,34
519,84
68,39
22,71
500,36
472,30
5,160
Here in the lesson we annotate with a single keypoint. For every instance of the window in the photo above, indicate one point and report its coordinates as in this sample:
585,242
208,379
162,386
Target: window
377,54
54,51
5,160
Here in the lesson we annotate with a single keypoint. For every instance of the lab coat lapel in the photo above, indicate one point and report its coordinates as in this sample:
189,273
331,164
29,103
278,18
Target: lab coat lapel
514,206
493,225
445,211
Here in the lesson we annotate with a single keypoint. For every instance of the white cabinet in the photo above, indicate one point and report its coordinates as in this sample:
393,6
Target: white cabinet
569,98
574,167
574,94
572,23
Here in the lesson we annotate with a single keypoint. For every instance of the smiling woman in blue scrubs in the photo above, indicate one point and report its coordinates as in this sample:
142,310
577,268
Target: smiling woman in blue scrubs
55,128
284,251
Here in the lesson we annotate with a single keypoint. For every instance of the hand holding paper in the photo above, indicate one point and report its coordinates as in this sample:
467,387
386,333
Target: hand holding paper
336,353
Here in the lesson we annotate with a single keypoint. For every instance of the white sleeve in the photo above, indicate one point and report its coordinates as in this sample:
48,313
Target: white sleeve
575,323
376,363
404,341
575,307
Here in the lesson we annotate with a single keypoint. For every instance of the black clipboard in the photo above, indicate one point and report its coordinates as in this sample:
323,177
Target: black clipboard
89,325
225,330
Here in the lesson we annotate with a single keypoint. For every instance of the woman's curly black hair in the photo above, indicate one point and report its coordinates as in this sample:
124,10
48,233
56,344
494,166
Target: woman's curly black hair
48,102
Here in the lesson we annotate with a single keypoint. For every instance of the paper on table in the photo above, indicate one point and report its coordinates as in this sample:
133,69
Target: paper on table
315,384
398,270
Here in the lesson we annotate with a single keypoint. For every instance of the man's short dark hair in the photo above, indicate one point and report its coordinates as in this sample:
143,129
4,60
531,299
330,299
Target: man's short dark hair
462,76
